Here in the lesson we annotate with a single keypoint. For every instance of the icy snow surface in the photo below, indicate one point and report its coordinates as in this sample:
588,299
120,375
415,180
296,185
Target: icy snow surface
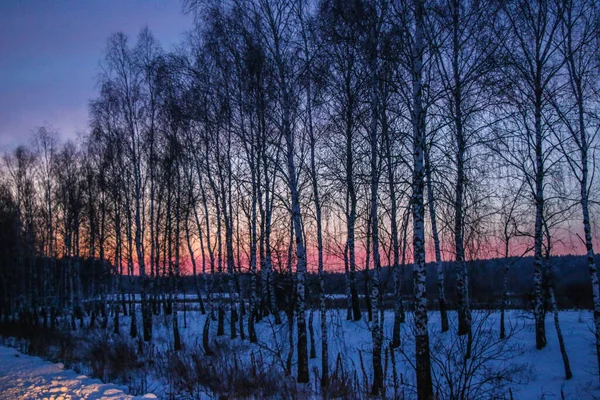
26,377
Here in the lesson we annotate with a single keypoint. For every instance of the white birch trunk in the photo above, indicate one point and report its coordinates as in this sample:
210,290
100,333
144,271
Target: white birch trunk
423,362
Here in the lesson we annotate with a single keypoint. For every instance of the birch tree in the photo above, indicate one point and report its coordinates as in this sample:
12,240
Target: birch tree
415,42
344,88
532,52
579,47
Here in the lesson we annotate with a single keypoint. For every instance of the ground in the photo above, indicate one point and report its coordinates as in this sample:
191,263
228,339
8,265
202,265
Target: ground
498,369
24,377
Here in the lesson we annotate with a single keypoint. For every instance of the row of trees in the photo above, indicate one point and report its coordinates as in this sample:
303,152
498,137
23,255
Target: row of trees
287,135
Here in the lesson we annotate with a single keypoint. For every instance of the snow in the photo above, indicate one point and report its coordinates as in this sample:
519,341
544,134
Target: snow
534,374
531,373
25,377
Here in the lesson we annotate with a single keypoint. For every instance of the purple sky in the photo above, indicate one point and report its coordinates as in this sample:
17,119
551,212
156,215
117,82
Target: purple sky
49,56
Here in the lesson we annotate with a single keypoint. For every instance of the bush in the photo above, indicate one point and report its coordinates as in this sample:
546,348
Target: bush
225,374
113,359
476,366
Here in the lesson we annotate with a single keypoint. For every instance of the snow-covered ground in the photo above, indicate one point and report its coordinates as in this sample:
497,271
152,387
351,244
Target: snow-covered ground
26,377
498,369
529,373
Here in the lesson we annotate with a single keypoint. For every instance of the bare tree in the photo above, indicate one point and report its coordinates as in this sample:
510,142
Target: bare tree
579,44
415,43
533,64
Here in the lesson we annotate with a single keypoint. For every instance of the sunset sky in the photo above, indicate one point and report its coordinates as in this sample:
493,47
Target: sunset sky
50,52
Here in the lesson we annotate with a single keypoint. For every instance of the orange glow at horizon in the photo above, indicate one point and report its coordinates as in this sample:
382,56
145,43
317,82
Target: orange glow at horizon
567,243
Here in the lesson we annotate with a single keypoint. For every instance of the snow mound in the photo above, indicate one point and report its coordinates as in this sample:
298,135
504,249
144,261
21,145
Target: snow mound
25,377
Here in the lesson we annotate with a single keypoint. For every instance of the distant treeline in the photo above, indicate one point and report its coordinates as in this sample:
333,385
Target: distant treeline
90,280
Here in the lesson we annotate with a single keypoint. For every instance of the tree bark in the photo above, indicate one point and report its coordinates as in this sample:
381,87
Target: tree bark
436,242
423,361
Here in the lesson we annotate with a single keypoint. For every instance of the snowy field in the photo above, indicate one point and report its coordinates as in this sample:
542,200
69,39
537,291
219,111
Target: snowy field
498,369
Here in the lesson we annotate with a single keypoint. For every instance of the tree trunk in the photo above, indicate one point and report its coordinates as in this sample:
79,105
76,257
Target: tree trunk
561,340
423,362
398,282
583,142
462,282
538,296
436,241
377,388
